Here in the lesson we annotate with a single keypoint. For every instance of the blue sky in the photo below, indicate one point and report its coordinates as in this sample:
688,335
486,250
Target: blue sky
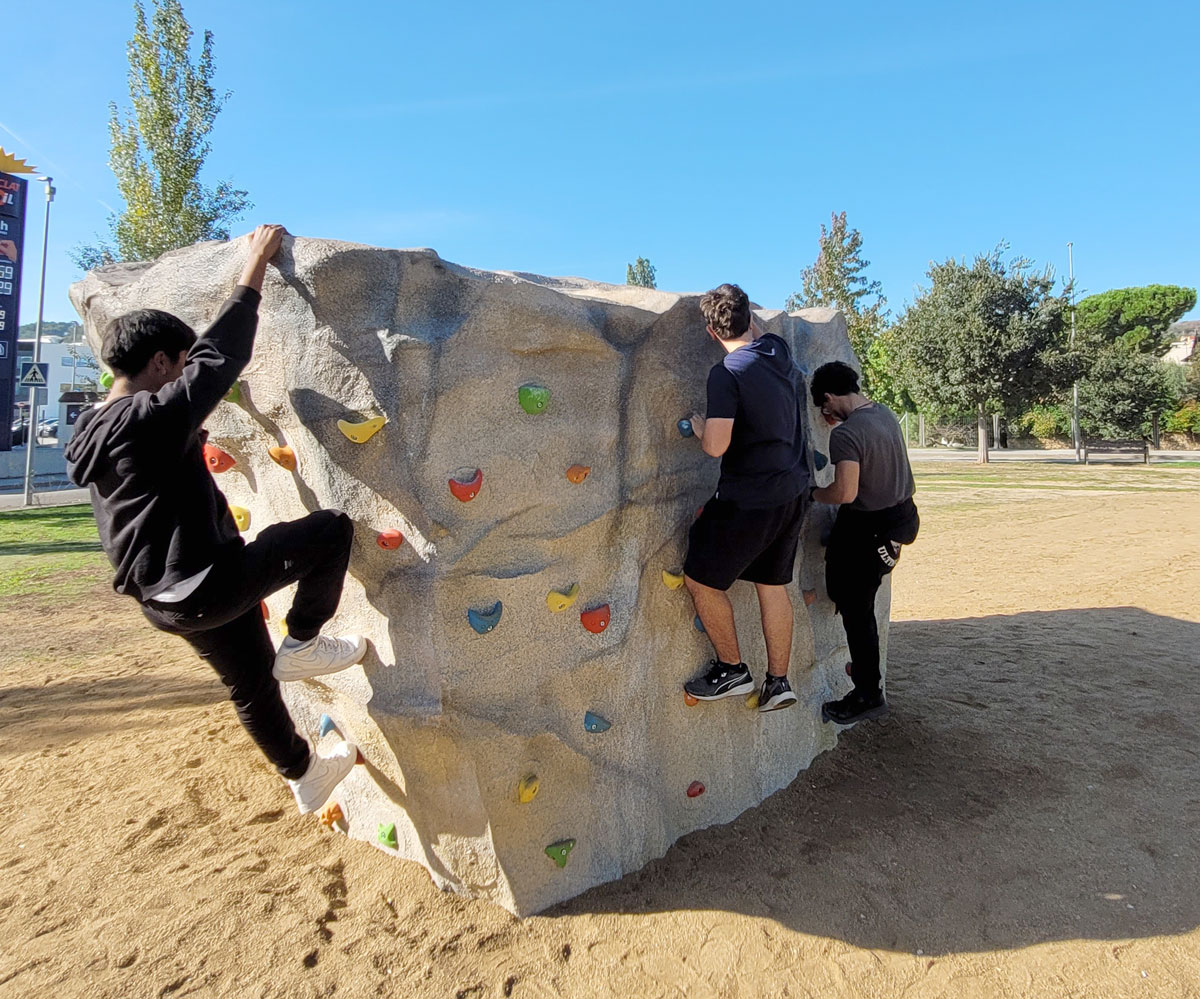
712,138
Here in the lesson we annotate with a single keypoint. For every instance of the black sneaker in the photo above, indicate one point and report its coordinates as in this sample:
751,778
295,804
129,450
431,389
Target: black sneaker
854,707
721,680
776,693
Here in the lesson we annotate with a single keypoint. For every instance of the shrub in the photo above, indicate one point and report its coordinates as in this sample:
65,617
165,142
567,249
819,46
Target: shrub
1185,420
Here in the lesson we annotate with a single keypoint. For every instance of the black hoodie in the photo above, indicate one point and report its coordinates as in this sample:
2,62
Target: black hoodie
161,516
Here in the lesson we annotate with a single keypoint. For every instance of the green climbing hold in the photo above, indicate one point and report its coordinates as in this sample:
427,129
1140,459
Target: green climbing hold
106,379
533,398
387,835
234,395
558,852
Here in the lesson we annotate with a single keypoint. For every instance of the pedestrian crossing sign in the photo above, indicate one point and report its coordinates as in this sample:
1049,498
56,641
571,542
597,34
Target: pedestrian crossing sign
34,374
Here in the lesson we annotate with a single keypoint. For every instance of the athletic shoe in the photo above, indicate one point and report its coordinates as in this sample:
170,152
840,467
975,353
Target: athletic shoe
319,657
776,693
323,775
854,707
721,680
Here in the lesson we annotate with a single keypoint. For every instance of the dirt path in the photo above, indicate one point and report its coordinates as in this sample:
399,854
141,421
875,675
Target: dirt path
1023,824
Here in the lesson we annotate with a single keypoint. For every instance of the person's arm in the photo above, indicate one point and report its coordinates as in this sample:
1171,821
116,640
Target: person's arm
843,489
219,356
715,431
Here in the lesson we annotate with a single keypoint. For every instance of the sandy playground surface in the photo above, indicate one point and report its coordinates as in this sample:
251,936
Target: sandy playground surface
1024,823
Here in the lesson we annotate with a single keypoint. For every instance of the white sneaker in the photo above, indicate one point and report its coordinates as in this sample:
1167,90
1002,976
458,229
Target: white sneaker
323,775
319,657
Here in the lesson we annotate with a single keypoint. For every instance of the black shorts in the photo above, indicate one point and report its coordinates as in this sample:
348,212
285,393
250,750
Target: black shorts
728,542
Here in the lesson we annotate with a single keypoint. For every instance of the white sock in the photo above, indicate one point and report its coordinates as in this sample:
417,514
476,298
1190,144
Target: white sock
292,645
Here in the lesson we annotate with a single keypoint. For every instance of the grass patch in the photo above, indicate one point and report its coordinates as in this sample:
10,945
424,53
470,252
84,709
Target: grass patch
50,551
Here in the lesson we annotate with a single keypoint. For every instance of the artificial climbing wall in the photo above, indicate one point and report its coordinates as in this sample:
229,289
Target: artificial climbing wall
510,449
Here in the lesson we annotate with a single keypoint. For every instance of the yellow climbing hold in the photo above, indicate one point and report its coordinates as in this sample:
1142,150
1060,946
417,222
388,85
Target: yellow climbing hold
241,517
360,433
672,580
558,601
752,700
528,788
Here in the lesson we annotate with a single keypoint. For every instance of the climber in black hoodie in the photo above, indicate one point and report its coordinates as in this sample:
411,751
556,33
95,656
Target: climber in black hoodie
169,534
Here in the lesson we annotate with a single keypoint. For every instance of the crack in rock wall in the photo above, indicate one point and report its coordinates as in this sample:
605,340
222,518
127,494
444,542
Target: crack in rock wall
530,459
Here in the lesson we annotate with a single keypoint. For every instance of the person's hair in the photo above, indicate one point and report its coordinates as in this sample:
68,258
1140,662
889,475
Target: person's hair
132,339
834,378
727,310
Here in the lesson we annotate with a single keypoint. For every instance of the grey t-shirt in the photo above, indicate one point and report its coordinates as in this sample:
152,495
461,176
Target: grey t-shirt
871,436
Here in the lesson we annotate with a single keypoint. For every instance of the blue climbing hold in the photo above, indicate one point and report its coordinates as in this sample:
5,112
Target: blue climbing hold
685,428
327,726
699,624
485,621
819,460
594,723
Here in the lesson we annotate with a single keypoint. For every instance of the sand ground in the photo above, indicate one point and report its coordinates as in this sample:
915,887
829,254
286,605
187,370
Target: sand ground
1023,824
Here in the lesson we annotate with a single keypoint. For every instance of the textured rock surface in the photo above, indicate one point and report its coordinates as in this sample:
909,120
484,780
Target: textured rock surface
454,723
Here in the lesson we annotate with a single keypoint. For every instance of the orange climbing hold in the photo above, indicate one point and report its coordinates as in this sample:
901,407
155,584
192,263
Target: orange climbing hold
283,456
689,700
265,609
359,759
810,597
596,619
331,815
577,473
467,491
389,540
217,460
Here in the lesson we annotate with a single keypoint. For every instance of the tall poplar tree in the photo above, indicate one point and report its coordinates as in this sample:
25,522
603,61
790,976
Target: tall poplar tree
641,273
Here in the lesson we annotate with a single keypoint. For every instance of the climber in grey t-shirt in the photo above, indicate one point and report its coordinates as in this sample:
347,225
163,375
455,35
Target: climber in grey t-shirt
873,487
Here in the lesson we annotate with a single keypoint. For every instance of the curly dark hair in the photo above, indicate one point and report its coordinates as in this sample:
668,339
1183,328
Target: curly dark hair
132,339
727,310
834,378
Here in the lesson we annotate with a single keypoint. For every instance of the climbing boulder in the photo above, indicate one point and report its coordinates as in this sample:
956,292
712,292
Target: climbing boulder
523,446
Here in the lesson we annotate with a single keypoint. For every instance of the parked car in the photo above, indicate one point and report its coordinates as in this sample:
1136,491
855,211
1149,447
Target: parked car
48,428
18,433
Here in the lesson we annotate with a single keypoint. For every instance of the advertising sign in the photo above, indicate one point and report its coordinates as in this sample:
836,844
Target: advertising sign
12,226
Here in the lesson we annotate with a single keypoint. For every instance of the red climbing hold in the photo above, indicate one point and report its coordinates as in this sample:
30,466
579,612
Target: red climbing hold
849,669
266,611
695,789
217,460
689,700
467,491
596,619
699,511
810,597
359,759
389,540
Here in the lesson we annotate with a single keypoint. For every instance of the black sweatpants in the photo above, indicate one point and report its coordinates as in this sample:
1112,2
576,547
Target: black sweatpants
222,620
863,548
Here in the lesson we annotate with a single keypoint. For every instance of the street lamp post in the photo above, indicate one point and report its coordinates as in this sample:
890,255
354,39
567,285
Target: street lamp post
31,434
1074,388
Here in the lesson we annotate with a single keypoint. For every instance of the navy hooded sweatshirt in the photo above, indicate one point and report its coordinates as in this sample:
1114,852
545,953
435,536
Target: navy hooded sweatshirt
161,517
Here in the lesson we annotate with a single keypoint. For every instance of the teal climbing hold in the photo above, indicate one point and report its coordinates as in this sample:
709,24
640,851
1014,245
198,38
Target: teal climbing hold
485,621
819,460
387,835
699,624
685,428
327,726
594,723
533,398
558,852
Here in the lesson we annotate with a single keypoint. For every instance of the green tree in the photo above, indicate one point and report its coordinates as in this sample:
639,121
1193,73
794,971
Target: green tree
1138,318
641,273
837,280
1125,392
160,144
989,337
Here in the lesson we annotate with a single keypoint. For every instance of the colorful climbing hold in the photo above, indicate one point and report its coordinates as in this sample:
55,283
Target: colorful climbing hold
217,460
327,725
577,473
672,580
810,597
389,540
106,379
698,624
849,669
467,490
387,835
819,460
332,815
359,759
283,626
752,700
594,723
283,456
689,700
262,605
596,619
558,601
533,398
362,432
241,517
699,511
685,428
485,621
234,395
695,789
558,852
527,789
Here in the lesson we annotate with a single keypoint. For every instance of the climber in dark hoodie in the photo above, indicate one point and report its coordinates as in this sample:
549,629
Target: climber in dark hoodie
169,534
